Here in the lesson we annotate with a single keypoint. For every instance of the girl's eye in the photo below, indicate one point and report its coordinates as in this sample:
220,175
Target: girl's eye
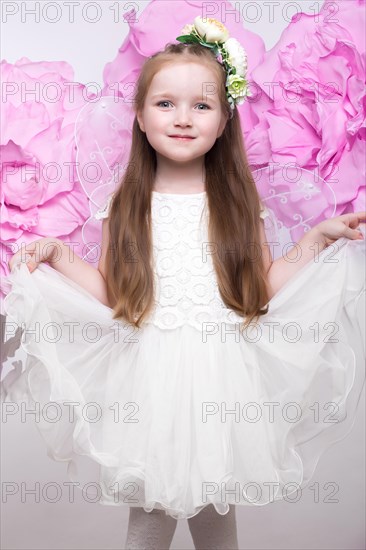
166,102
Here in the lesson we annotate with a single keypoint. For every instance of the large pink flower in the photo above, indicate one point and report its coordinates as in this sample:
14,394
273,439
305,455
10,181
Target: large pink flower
40,193
316,117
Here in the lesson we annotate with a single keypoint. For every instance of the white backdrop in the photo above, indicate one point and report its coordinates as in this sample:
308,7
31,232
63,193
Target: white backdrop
326,516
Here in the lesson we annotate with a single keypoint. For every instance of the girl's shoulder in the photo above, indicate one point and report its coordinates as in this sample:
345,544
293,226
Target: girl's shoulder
104,211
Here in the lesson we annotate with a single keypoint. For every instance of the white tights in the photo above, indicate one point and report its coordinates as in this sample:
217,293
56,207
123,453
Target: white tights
155,530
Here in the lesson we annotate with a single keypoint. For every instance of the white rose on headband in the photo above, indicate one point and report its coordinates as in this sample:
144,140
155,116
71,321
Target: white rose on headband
237,55
214,30
187,29
237,87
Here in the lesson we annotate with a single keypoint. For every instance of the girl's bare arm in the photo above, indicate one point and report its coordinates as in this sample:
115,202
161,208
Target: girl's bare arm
282,269
72,266
311,245
62,258
279,271
82,273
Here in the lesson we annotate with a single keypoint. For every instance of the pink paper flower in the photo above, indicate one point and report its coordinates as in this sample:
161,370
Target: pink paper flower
314,81
40,193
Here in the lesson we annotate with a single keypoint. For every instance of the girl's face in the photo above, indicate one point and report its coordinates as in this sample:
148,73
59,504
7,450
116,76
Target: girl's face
182,100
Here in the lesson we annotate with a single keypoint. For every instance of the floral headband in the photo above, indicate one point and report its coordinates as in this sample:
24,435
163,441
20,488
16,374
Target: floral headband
212,34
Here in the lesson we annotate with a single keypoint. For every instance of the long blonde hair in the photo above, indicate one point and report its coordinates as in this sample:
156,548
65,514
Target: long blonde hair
233,202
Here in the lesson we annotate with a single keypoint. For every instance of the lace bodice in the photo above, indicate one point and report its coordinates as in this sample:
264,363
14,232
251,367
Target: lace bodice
185,280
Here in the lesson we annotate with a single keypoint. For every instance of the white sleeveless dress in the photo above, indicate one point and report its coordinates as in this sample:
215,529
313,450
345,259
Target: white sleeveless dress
190,410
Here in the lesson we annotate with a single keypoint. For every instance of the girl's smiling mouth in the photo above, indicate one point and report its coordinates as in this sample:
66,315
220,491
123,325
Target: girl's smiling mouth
182,137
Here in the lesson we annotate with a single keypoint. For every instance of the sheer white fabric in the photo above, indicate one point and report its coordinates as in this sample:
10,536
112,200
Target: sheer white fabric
169,425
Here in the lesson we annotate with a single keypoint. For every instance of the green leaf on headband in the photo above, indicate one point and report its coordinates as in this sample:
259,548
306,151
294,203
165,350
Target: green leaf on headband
187,39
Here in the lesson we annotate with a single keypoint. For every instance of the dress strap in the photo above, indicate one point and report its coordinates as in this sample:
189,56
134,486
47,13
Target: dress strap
104,211
264,212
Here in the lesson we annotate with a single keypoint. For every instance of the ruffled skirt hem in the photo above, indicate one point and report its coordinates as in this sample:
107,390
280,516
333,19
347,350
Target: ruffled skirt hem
166,419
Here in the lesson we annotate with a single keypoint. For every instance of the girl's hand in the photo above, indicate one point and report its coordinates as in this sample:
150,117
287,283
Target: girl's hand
41,250
342,226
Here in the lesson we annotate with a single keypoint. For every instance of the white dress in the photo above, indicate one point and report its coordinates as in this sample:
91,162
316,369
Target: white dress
189,410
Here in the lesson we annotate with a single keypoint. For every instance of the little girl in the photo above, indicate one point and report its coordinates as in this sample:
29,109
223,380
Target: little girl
192,373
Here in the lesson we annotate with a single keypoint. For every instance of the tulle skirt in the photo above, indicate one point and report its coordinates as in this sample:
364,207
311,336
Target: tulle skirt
179,419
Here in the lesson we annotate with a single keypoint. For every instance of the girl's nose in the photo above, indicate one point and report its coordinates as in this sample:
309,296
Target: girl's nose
183,117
